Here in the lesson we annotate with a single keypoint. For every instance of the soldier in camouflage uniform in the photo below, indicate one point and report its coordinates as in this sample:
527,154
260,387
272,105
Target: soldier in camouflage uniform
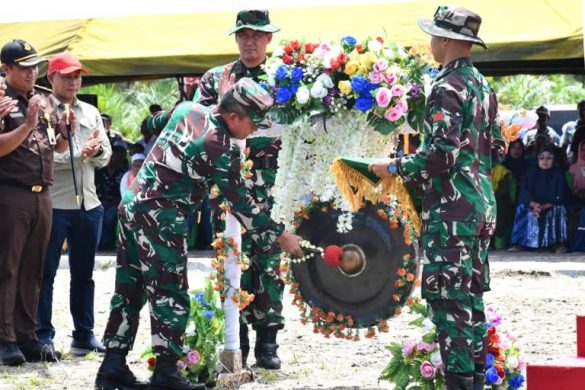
193,152
462,142
253,33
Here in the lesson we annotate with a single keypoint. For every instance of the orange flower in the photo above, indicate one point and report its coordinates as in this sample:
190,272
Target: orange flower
401,272
395,298
511,133
417,283
397,311
393,224
410,277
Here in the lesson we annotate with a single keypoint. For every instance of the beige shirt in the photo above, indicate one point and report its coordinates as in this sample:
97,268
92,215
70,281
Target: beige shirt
62,191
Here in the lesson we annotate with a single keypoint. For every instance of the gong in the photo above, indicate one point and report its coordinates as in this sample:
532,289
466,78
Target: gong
363,284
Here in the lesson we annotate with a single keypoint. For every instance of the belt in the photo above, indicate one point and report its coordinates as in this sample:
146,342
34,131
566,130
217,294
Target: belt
16,183
265,162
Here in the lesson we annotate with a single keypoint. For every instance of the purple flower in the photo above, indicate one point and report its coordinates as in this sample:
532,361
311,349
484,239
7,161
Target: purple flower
192,357
493,316
181,365
427,370
414,91
376,77
327,100
408,347
426,347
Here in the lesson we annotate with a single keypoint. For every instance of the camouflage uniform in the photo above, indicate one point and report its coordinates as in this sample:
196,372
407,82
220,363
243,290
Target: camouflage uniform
462,138
192,153
263,277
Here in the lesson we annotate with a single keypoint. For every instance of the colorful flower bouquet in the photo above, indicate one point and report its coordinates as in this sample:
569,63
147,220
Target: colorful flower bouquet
515,123
417,364
203,337
377,79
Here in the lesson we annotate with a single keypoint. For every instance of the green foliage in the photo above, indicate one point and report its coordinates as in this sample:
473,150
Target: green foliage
526,91
128,103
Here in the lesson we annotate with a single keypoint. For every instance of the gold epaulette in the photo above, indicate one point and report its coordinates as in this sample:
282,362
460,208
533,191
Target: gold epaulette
40,88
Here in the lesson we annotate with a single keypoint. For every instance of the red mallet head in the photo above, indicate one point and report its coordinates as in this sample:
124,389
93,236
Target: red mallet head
332,255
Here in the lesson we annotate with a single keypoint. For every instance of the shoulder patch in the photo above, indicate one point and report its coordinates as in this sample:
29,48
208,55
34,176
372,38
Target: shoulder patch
438,116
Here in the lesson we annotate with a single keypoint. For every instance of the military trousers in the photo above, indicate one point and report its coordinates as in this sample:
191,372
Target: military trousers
453,281
151,266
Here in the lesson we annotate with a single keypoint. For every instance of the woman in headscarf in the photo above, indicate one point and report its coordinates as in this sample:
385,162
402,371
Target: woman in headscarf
577,171
504,185
515,160
541,214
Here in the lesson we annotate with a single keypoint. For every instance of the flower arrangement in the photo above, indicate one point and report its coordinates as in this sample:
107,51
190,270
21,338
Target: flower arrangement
341,325
221,244
418,363
371,77
515,123
506,362
203,336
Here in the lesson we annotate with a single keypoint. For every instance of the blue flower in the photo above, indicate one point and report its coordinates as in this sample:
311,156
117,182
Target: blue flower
281,72
294,88
296,74
199,297
364,102
349,41
371,87
283,95
491,376
208,314
265,85
359,84
433,72
489,360
516,381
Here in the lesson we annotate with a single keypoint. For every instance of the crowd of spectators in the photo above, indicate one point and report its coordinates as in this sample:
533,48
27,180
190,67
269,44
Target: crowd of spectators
540,188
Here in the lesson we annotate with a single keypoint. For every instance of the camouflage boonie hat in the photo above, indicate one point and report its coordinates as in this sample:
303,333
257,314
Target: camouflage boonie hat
255,100
254,19
454,23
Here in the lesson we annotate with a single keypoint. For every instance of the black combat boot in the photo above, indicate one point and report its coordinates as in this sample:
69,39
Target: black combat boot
454,381
166,376
265,349
244,343
114,373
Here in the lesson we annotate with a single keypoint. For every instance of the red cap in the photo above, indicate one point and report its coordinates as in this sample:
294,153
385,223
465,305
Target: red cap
65,63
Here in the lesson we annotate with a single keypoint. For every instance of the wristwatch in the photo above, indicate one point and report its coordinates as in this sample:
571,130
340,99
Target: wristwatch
392,168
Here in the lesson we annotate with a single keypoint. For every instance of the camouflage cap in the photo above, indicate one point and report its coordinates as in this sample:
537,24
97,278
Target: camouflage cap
254,99
255,19
454,23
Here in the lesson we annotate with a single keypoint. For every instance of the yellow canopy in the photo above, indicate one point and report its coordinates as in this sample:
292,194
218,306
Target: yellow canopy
524,36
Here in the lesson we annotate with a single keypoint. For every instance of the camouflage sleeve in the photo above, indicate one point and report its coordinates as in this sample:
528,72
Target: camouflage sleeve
226,174
498,142
443,124
157,122
207,91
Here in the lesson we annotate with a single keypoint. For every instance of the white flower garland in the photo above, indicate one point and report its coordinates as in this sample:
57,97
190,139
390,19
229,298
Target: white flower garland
308,149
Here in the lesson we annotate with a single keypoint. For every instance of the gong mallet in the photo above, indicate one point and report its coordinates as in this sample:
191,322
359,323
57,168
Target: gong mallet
68,126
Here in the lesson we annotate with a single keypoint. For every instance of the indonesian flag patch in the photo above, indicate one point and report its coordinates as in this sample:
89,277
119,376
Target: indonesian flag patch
438,116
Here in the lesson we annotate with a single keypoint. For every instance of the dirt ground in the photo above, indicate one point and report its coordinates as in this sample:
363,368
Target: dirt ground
538,294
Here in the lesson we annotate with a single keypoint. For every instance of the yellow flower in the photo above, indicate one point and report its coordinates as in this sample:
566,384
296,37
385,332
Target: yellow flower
368,59
354,56
345,87
350,68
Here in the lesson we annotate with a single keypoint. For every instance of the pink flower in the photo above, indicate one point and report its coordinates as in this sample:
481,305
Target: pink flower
393,114
427,370
398,90
408,348
192,357
376,77
521,362
403,105
426,347
181,365
493,316
390,78
380,65
383,97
